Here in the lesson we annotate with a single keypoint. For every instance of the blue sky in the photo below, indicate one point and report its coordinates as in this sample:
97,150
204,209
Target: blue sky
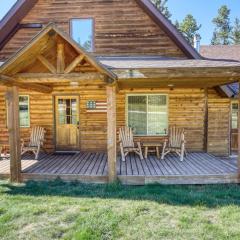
203,10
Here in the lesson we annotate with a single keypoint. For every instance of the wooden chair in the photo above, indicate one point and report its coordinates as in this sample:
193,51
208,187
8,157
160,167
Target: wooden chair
127,144
175,143
35,142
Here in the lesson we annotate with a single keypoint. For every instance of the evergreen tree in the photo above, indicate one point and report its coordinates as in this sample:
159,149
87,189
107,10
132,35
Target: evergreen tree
222,32
161,5
215,40
177,25
235,35
188,27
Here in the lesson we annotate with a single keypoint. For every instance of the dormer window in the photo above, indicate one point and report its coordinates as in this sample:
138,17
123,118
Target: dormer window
82,32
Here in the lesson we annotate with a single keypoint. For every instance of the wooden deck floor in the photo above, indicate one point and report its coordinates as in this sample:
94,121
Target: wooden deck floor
197,168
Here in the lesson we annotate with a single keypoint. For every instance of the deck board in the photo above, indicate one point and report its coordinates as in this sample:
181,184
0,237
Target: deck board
196,168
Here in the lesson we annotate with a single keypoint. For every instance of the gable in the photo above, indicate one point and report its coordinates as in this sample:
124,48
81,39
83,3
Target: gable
53,52
122,27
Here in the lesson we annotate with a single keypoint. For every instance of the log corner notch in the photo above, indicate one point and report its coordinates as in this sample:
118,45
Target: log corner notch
111,133
14,134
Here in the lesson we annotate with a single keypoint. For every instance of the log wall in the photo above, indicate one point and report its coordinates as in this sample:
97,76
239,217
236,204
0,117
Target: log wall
186,109
218,124
121,27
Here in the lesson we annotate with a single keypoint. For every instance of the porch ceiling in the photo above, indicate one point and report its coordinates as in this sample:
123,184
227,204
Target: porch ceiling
178,77
158,71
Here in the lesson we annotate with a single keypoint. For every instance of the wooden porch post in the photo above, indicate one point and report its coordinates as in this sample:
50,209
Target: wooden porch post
14,134
239,135
111,133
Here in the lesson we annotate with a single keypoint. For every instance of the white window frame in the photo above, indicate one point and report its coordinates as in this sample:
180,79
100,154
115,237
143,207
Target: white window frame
147,94
27,126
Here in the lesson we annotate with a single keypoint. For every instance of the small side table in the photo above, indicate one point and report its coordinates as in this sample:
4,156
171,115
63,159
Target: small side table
152,147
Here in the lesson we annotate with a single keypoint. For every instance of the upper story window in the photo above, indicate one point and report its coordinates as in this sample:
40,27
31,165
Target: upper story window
82,32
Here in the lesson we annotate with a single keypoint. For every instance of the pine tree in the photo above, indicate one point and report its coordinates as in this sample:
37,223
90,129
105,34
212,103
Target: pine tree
188,27
222,32
215,40
161,5
235,35
177,25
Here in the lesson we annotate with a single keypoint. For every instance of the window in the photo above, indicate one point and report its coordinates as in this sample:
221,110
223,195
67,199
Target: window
82,32
234,115
148,114
24,115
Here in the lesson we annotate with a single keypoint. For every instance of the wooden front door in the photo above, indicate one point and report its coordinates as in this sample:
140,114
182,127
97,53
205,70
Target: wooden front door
67,122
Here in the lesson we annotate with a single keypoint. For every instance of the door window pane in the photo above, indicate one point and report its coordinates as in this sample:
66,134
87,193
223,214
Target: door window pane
67,111
82,32
61,111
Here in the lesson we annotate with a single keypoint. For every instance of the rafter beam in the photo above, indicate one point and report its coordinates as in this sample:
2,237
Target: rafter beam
60,58
74,63
54,78
47,64
9,81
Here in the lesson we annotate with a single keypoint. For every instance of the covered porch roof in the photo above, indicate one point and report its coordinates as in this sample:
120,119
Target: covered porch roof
55,56
157,71
52,57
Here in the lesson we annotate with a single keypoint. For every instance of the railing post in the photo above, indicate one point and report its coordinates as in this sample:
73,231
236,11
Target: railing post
111,133
14,134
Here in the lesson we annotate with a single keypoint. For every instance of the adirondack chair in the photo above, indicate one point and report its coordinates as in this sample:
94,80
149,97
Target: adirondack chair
127,144
35,142
175,143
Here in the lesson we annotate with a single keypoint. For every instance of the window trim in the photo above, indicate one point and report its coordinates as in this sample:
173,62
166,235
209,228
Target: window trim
93,30
147,94
29,122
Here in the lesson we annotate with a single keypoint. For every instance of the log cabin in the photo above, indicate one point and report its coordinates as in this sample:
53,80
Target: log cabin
83,69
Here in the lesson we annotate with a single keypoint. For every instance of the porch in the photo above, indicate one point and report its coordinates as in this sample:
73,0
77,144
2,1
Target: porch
92,167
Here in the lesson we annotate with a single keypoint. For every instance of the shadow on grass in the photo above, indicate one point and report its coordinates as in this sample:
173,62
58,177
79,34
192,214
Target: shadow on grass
201,195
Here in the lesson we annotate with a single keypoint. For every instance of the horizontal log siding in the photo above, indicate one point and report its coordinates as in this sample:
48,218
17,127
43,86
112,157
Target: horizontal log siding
186,109
218,124
93,126
3,121
121,27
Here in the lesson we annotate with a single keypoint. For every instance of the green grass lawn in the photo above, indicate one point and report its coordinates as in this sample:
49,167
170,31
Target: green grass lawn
58,210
